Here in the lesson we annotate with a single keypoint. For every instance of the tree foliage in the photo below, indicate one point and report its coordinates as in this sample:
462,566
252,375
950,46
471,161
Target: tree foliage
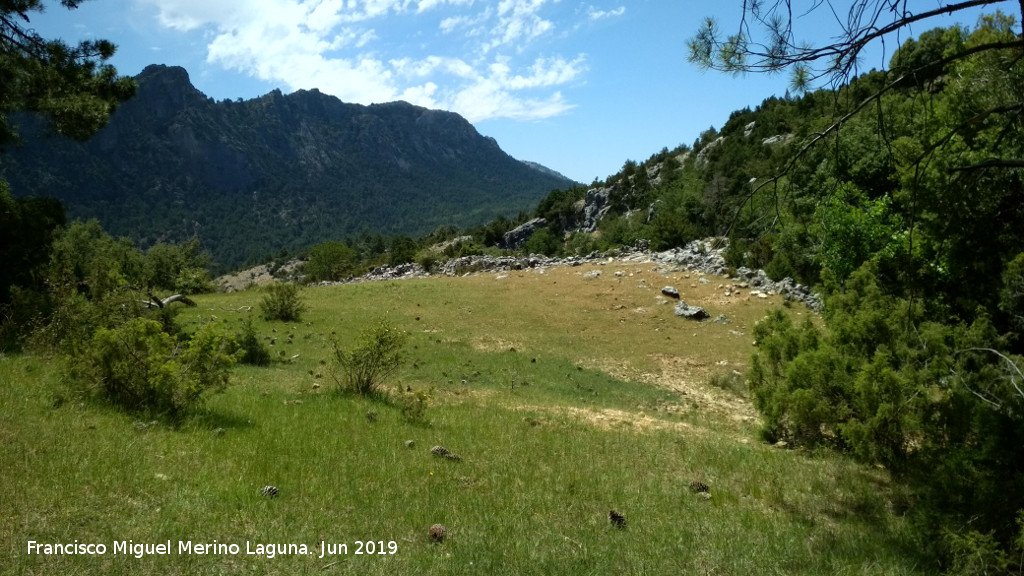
904,204
71,86
331,261
765,39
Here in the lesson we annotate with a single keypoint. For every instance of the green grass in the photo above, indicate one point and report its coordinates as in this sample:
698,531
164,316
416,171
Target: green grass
549,444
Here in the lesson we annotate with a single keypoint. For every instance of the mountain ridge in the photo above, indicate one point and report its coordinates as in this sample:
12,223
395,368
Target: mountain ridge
277,172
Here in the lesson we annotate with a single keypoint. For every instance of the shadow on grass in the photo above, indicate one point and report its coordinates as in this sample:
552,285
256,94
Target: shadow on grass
207,419
870,512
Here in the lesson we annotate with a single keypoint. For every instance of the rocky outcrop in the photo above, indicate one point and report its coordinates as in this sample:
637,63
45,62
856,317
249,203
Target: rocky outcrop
596,205
702,156
515,238
777,139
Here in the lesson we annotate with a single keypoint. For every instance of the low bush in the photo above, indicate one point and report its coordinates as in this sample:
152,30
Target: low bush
283,302
729,381
254,352
413,404
140,367
377,354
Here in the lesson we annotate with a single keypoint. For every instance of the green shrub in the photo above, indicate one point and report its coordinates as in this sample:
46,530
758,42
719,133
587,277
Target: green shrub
283,302
936,403
140,367
413,404
976,554
1011,297
193,281
543,242
428,260
729,381
402,251
376,355
254,352
580,244
331,261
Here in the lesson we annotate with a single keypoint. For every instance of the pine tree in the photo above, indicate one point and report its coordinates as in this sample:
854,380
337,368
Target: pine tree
71,86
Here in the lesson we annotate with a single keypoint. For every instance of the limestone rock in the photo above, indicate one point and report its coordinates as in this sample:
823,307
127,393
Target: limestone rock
515,238
684,310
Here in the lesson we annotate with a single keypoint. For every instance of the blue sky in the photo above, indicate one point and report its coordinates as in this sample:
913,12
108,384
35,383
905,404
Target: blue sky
577,85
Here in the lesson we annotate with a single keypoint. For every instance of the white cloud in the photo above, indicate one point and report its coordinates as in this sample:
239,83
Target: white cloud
493,90
478,59
595,14
424,5
519,22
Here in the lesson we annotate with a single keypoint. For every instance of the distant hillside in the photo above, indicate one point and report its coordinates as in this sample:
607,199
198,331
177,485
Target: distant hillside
251,178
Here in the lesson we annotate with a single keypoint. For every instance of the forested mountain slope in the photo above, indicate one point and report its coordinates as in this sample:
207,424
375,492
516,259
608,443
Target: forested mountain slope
250,178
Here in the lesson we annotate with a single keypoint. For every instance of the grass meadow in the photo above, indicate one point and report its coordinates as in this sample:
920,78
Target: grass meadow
565,397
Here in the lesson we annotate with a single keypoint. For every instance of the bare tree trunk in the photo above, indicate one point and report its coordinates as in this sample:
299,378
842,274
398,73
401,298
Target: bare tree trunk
155,302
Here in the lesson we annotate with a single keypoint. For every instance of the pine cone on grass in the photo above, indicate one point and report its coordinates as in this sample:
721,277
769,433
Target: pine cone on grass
438,533
442,452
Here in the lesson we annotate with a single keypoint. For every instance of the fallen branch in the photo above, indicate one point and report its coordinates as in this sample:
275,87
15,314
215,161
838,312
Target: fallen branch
155,302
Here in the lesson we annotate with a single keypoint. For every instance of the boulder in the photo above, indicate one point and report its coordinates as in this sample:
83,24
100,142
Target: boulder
684,310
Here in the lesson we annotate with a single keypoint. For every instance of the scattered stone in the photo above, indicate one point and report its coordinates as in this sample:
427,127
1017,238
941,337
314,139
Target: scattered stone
410,444
722,319
219,432
704,495
697,486
269,491
703,280
671,292
781,444
701,257
437,533
617,519
683,310
592,274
